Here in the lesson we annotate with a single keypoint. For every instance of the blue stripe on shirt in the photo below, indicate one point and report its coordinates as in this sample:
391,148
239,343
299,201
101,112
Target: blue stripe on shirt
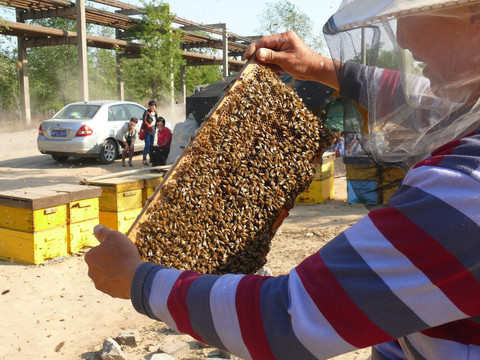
275,303
198,304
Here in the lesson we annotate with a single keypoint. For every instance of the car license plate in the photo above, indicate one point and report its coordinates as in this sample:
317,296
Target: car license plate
59,133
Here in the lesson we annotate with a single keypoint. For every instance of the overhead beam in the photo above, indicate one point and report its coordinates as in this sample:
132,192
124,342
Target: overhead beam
50,13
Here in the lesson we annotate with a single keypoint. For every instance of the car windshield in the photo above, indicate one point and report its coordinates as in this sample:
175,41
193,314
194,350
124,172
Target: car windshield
78,111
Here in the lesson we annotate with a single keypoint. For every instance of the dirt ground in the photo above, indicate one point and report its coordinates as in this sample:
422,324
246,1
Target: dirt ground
52,311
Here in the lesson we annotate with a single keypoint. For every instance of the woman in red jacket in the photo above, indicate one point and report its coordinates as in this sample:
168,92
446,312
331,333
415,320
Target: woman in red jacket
164,139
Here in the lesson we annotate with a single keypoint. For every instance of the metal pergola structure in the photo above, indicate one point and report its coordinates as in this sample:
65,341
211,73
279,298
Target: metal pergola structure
28,36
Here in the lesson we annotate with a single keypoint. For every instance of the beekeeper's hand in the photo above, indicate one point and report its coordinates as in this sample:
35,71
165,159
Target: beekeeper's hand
112,264
286,52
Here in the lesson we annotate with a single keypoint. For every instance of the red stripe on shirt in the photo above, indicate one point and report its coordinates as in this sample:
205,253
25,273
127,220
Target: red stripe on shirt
387,88
439,265
249,313
177,303
463,331
336,306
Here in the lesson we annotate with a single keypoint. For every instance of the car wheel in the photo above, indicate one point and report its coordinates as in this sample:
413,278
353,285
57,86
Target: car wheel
109,152
59,158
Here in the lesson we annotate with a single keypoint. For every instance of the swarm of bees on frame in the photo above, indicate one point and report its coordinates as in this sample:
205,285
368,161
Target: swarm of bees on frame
225,198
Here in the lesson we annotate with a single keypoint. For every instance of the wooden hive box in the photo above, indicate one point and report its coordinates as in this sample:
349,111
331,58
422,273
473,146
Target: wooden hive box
33,225
120,202
322,187
222,201
374,183
82,214
150,182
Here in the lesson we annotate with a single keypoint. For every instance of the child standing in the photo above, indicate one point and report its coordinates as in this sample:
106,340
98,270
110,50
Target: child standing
149,117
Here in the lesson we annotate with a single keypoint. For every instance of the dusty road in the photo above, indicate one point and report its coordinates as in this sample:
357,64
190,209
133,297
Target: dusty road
22,165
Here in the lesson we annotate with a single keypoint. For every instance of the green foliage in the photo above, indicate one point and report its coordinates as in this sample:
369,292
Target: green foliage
160,57
381,58
9,85
200,75
53,70
102,70
281,16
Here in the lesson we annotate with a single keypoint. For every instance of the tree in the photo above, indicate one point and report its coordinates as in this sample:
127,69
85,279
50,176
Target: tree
281,16
160,57
53,70
9,85
102,70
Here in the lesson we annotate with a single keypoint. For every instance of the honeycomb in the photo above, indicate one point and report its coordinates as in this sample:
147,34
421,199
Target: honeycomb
221,203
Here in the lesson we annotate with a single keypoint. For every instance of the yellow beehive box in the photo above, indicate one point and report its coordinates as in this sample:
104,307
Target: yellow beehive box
325,168
33,248
362,172
119,220
32,210
120,193
33,225
82,214
318,192
389,174
150,183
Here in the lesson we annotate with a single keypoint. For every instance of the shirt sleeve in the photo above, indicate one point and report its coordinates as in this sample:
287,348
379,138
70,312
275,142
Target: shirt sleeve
400,270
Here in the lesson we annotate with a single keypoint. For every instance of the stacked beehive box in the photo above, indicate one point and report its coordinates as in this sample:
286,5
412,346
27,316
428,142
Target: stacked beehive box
82,214
33,225
120,202
321,189
369,182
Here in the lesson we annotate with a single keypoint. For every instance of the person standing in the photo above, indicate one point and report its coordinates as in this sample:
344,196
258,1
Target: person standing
148,121
404,279
126,137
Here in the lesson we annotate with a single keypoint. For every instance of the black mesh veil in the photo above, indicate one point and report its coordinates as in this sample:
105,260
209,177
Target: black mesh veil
405,93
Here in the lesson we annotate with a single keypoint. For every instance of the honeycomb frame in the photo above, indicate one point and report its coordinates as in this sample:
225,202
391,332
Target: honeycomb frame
224,198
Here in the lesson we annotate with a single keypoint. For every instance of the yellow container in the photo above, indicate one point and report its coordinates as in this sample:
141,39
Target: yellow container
81,210
32,209
120,194
33,248
325,168
318,192
80,235
116,202
391,174
29,220
82,214
119,220
150,184
362,172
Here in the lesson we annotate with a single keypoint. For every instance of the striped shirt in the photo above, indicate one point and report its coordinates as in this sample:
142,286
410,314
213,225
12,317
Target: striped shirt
406,278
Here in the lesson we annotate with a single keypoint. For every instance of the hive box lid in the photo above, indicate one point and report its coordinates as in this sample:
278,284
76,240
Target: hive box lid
77,192
33,198
118,184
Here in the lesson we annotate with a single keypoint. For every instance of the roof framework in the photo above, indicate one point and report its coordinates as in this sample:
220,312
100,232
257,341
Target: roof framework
121,19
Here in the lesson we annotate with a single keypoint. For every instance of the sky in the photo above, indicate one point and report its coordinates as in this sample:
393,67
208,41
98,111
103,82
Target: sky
241,16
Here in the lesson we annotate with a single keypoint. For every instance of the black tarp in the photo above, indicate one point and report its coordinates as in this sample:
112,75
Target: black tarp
312,93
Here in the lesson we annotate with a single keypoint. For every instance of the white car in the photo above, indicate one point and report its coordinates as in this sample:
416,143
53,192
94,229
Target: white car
88,129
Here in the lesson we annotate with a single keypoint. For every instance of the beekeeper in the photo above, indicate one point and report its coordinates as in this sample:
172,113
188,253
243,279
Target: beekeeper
405,279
